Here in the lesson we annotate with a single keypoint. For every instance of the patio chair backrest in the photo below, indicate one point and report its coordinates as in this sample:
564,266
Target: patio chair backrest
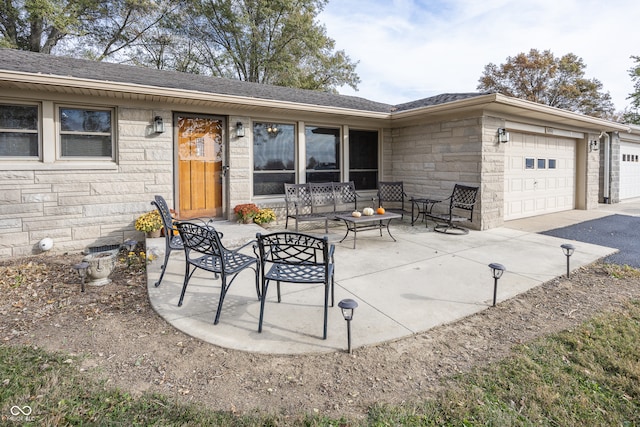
391,195
165,214
204,240
464,197
293,248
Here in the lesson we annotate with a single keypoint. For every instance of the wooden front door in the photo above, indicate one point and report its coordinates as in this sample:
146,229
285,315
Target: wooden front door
200,145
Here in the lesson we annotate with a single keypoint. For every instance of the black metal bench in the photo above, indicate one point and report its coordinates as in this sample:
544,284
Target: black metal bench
319,201
461,204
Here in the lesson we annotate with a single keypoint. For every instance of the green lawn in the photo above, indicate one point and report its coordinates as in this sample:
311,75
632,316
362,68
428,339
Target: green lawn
586,376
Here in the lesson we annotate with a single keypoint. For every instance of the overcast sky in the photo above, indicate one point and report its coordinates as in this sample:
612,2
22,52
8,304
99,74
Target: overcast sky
412,49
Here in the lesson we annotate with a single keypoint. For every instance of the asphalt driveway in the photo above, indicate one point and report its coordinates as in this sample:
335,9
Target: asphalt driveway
615,231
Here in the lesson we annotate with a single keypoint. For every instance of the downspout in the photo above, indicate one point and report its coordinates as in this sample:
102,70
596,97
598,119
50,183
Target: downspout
607,166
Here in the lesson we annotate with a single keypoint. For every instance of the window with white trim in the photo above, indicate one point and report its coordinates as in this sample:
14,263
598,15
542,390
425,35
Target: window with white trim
323,153
19,130
273,157
86,132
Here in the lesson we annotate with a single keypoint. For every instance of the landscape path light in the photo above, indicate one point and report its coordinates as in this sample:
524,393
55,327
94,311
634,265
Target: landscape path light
130,244
568,249
81,269
348,306
497,270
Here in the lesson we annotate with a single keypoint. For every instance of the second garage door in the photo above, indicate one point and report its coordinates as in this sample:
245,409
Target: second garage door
629,170
539,175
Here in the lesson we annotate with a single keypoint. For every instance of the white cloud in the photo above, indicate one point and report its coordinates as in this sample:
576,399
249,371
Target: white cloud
411,49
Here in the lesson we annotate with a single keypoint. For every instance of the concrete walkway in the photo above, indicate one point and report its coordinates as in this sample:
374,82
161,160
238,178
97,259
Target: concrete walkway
423,280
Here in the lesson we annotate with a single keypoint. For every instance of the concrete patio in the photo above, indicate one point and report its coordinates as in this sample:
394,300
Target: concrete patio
423,280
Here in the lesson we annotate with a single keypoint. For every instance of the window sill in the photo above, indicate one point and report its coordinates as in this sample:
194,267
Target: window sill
8,165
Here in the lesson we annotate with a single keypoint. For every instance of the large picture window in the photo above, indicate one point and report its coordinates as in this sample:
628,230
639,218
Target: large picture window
86,132
273,157
363,159
323,154
19,126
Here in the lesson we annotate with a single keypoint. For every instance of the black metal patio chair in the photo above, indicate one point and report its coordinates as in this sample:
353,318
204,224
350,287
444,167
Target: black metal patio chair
173,241
391,196
461,204
296,258
203,249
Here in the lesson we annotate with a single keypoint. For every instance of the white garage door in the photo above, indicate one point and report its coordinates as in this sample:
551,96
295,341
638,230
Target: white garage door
629,170
539,175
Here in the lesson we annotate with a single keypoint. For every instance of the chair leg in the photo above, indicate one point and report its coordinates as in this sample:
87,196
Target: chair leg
279,298
258,282
167,252
265,284
326,309
332,291
223,293
187,276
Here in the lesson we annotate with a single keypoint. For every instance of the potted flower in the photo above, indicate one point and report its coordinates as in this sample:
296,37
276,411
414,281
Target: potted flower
150,223
246,212
265,216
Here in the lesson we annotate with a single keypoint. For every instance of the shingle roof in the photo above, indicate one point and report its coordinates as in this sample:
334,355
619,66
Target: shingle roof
438,99
29,62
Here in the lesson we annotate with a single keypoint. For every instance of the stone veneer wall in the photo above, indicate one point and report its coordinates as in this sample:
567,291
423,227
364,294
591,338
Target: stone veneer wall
80,207
593,173
240,166
431,158
493,167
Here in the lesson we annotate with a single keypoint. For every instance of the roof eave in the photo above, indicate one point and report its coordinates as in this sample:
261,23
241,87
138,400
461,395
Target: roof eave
496,101
63,82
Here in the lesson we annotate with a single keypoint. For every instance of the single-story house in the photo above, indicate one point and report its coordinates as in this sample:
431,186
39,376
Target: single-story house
84,147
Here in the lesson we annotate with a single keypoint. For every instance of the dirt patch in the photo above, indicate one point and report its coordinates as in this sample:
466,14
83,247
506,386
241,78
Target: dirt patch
121,338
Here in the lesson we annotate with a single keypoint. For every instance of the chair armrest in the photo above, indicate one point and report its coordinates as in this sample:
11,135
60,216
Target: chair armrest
250,242
206,224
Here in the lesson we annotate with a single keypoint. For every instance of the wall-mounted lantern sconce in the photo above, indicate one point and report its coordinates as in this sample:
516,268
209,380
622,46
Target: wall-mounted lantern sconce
593,145
497,270
239,130
158,125
503,135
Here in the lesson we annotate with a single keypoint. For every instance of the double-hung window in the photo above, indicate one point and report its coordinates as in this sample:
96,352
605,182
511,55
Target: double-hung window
363,159
19,130
86,132
323,154
274,157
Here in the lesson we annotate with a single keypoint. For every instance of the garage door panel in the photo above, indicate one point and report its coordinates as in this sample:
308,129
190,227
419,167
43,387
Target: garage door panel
548,184
629,170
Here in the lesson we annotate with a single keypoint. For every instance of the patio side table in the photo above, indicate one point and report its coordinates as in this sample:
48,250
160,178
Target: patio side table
423,206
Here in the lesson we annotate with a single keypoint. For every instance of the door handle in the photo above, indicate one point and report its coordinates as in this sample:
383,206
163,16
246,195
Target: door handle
225,169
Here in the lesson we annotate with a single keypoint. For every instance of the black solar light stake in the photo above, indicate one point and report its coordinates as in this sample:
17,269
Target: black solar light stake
568,249
81,269
130,244
497,270
348,306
